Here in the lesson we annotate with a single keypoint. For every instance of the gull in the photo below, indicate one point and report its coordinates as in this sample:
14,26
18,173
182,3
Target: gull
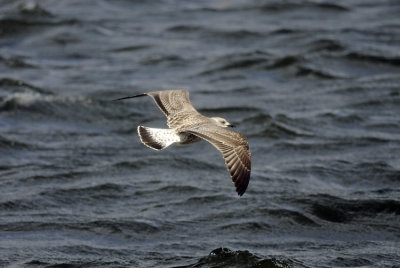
187,125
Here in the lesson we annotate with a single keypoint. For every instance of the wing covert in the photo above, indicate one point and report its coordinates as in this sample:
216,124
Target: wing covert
172,102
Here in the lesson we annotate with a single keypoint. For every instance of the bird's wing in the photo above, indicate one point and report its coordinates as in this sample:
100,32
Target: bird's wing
234,148
175,104
172,102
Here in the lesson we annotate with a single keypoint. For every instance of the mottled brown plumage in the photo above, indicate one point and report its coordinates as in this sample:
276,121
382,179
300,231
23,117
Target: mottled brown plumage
186,122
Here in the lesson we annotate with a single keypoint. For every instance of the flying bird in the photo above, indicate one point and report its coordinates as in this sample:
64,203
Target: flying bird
187,125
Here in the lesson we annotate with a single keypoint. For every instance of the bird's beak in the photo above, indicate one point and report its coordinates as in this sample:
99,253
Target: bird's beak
232,126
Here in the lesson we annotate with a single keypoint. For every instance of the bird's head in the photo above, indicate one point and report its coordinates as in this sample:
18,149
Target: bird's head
222,122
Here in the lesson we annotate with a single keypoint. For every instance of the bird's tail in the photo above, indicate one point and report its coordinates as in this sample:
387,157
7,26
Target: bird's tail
157,138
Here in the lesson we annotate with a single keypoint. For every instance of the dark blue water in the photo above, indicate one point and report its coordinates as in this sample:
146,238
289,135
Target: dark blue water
314,85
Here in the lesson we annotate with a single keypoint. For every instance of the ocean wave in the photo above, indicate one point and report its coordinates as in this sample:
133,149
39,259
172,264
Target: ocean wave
17,205
15,62
309,70
48,105
325,45
377,171
23,99
284,31
254,226
32,102
295,217
131,48
7,144
291,5
52,197
185,28
12,26
236,61
9,26
225,257
318,103
337,144
105,227
127,227
232,65
175,189
277,127
89,194
393,60
215,33
282,62
272,6
204,199
63,175
334,209
240,35
261,61
342,118
181,163
53,263
28,225
32,9
12,85
170,60
376,102
351,262
279,130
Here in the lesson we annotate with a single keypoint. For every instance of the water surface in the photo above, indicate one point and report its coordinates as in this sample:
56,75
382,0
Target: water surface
314,85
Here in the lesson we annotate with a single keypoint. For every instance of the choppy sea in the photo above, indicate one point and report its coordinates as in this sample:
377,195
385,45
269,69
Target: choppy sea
313,84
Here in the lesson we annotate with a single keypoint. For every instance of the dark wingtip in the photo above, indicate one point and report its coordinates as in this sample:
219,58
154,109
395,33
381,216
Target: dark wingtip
240,192
129,97
241,185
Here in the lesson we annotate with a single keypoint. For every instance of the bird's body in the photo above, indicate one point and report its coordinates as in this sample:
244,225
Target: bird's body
187,125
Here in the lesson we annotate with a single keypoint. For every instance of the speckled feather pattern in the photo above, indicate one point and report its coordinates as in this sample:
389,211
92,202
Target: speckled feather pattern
187,126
